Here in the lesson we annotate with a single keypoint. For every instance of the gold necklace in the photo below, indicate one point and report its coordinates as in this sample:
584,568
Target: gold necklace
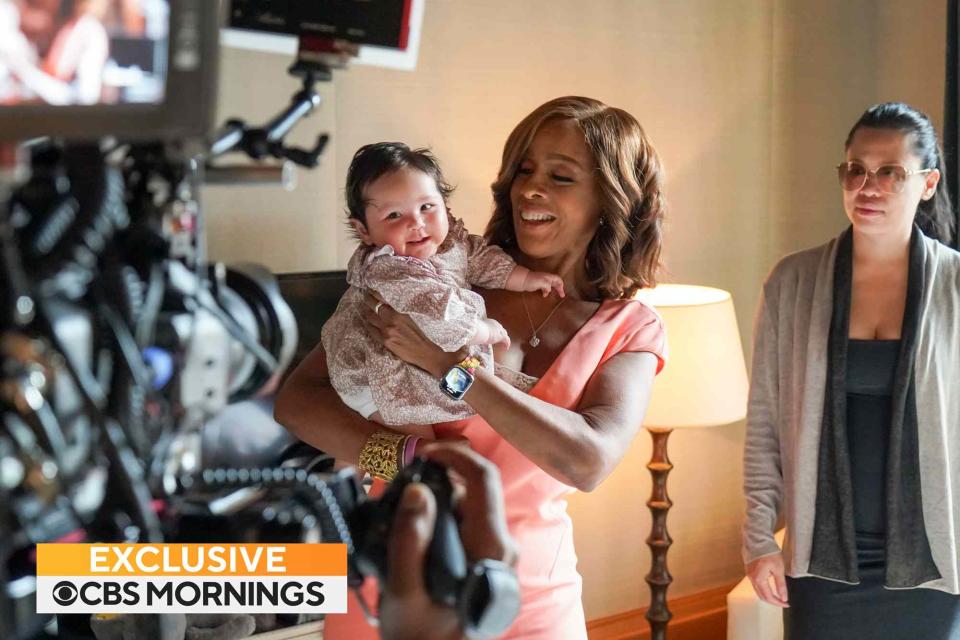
534,339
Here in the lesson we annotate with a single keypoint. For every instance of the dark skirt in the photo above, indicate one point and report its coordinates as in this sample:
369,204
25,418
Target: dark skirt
828,610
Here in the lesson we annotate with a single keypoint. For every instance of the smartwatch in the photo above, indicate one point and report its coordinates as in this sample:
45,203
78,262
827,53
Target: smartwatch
489,599
458,379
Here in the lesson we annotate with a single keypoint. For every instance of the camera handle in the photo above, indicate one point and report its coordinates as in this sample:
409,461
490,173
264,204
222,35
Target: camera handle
371,524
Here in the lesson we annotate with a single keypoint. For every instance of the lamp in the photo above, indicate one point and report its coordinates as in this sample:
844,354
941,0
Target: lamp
703,385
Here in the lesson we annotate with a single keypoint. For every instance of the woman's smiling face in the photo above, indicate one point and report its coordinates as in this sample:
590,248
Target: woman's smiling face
554,194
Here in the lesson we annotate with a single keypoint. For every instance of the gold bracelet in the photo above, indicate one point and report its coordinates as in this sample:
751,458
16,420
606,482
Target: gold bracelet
382,454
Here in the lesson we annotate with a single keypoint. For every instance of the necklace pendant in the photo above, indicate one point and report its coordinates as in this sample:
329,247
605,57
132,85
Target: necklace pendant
534,341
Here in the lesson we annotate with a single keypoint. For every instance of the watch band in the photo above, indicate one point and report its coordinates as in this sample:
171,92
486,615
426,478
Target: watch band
470,364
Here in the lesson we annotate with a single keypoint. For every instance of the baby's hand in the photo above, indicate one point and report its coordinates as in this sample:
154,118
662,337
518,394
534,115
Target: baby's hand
498,335
543,282
490,332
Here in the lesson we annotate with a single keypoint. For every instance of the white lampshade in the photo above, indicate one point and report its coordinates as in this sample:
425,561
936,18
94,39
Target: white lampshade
704,383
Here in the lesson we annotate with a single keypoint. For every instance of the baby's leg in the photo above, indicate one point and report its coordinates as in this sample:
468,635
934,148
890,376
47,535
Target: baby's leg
424,431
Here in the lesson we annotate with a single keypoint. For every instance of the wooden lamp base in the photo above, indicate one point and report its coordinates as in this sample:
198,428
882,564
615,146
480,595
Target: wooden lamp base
659,541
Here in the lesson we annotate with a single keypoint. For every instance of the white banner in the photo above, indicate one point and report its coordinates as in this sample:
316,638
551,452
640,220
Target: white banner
191,594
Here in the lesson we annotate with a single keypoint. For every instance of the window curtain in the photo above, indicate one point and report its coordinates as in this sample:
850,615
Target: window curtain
951,114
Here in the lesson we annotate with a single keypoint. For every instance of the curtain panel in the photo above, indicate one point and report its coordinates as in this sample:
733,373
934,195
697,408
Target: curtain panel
951,116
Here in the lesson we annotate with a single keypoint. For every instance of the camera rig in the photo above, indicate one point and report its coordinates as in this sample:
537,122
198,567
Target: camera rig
120,343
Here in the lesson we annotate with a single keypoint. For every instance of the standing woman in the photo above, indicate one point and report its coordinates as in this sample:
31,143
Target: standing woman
853,427
578,194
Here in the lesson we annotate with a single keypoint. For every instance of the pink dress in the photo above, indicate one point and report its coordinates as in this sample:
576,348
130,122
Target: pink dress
536,505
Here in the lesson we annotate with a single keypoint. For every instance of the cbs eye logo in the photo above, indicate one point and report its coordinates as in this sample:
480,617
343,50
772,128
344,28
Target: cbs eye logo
65,593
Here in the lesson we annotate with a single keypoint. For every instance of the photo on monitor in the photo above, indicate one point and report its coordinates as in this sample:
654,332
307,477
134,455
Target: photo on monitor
83,52
88,69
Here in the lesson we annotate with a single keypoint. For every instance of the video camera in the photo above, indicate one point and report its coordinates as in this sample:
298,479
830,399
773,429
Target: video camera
119,340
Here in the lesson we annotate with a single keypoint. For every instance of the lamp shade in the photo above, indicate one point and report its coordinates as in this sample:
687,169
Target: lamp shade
704,383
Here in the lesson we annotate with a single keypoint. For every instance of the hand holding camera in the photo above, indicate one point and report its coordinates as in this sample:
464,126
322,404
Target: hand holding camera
408,609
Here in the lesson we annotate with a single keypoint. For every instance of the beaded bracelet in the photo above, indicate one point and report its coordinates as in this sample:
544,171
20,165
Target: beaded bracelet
470,363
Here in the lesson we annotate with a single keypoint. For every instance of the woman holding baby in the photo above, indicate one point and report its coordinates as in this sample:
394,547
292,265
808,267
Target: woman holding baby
578,195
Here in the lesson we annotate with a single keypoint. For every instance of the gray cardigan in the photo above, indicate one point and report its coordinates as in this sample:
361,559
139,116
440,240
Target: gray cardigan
786,407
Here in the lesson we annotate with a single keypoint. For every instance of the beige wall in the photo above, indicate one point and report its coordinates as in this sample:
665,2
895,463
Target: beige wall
748,102
831,61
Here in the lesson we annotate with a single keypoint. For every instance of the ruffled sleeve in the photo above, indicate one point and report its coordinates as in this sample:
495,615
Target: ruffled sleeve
488,265
446,315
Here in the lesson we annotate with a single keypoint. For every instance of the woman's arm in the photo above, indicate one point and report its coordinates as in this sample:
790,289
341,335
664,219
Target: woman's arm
580,448
762,473
311,410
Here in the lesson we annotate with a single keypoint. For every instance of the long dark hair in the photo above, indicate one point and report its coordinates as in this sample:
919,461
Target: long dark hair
935,217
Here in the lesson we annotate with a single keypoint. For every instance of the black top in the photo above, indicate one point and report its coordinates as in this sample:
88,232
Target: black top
871,365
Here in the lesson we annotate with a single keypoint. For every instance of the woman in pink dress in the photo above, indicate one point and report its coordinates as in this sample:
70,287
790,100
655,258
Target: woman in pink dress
578,194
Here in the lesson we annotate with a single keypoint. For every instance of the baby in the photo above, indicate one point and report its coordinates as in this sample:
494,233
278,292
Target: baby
421,262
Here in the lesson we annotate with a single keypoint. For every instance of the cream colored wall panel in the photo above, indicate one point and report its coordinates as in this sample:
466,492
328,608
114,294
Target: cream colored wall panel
824,60
911,55
295,231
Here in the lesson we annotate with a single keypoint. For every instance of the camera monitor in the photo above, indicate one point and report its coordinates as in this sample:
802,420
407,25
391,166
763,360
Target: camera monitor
84,69
387,31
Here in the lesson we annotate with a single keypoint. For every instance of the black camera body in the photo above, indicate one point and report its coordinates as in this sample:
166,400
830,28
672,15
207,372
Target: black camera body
372,521
120,346
304,499
121,343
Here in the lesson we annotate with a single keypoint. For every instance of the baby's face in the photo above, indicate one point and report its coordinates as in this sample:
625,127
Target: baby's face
406,211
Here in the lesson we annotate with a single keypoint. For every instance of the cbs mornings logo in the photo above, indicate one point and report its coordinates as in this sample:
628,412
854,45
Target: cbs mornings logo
65,593
191,578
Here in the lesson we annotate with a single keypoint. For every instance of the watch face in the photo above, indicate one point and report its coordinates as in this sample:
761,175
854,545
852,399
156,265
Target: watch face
456,382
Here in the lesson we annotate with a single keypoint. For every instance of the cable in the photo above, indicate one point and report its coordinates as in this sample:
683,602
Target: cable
311,486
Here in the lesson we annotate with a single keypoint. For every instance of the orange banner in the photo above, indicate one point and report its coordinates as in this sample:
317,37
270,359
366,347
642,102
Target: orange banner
191,560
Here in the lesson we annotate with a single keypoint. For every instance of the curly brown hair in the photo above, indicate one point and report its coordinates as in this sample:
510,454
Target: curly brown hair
624,254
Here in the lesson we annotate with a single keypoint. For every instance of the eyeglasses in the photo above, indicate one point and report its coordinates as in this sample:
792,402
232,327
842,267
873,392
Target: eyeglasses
891,178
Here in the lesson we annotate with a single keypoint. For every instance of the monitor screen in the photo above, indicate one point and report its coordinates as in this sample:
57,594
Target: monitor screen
81,70
83,52
389,34
313,297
